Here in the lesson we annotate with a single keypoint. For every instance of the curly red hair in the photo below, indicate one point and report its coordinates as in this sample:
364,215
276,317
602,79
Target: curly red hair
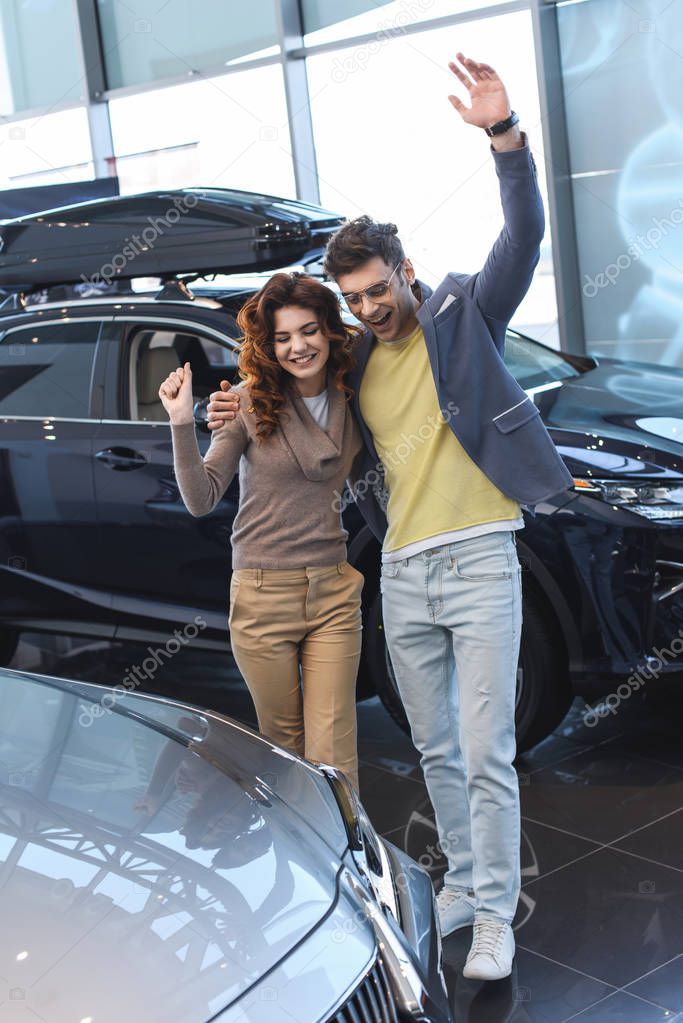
268,382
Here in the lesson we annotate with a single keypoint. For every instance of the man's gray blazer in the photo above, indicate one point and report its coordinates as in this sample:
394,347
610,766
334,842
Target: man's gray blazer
464,322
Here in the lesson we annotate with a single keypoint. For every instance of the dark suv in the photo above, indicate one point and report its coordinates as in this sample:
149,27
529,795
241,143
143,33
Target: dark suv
95,539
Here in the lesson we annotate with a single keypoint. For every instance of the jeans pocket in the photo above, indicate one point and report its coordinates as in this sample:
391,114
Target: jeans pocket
390,569
485,560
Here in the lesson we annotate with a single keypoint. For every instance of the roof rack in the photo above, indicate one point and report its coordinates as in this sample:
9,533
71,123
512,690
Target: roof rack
175,289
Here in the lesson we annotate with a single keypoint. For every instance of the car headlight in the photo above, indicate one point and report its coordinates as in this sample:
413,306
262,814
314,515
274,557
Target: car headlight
651,500
366,846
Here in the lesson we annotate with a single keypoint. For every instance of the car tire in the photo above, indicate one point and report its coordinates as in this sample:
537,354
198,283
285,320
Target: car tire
544,692
376,664
9,640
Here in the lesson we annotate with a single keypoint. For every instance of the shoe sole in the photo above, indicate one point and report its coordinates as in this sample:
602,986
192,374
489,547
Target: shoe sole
480,976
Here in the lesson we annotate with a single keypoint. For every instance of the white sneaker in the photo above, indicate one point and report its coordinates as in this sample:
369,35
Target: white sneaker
492,952
455,908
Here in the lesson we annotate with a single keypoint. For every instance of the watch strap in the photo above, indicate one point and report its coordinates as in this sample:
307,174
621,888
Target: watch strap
501,126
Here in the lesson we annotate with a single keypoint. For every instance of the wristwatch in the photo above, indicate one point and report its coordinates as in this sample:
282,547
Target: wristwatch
500,126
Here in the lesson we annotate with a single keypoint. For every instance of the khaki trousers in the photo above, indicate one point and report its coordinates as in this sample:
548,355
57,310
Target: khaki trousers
296,638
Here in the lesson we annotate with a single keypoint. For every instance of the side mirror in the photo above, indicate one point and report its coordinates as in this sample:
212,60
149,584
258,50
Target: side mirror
201,415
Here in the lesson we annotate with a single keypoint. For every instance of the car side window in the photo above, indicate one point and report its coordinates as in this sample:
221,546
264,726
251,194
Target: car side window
45,370
154,352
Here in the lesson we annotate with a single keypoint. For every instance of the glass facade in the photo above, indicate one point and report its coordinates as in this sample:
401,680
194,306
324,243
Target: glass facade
229,132
149,41
35,150
404,154
627,168
325,23
401,154
40,61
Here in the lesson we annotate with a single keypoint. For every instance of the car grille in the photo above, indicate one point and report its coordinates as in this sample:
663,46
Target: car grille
371,1002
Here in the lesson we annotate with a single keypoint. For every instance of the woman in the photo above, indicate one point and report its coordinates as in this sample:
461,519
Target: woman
295,620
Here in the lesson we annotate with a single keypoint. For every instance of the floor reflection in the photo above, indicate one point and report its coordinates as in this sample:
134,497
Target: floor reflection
599,927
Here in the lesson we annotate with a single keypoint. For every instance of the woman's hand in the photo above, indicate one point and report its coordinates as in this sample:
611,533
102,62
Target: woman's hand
176,395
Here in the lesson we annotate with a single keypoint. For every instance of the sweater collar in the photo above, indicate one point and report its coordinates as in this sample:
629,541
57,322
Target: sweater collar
316,451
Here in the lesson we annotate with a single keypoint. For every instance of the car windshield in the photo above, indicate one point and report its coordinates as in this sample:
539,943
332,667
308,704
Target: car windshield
532,364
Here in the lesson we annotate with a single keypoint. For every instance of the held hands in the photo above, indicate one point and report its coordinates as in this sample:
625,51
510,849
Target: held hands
176,395
488,98
222,406
147,804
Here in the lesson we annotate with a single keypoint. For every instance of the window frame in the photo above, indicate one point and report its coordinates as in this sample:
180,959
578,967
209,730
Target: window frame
129,326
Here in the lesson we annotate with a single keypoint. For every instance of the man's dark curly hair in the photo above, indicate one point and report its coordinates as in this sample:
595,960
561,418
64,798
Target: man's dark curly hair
360,240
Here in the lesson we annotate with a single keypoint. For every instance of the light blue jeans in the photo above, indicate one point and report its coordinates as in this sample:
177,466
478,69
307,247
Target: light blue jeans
453,618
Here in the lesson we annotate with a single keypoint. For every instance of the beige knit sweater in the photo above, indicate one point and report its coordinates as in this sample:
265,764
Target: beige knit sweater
286,516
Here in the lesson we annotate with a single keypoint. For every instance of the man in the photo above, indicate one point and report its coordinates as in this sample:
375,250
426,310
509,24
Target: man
453,447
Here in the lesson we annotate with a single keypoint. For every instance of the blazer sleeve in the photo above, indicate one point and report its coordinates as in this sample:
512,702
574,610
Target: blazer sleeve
203,481
501,284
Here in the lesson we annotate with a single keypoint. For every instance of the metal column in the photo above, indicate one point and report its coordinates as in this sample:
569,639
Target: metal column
558,173
95,85
290,31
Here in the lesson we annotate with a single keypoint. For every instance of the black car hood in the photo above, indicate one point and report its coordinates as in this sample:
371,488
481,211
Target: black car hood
619,418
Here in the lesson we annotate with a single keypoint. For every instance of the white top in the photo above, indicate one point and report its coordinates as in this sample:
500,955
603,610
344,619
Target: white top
443,539
319,407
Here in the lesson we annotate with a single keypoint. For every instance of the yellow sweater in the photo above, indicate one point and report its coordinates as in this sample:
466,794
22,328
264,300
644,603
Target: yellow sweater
434,486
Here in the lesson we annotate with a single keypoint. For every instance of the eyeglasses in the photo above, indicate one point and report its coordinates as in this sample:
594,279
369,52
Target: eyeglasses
355,298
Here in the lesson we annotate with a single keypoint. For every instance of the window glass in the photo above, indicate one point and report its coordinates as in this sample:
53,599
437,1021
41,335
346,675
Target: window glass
626,177
147,41
405,156
170,167
50,149
324,21
45,370
40,61
225,132
154,353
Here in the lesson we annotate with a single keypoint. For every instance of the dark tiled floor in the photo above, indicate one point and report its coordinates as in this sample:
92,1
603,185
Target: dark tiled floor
664,986
599,927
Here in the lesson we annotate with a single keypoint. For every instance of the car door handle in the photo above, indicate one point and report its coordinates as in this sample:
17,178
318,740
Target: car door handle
122,459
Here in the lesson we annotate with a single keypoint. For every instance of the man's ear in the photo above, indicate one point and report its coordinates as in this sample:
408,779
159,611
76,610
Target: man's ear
409,272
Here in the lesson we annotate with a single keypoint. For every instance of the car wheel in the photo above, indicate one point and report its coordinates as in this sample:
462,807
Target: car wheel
8,644
544,692
377,664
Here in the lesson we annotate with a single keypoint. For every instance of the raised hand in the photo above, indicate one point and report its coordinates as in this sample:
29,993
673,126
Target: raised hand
176,395
488,98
